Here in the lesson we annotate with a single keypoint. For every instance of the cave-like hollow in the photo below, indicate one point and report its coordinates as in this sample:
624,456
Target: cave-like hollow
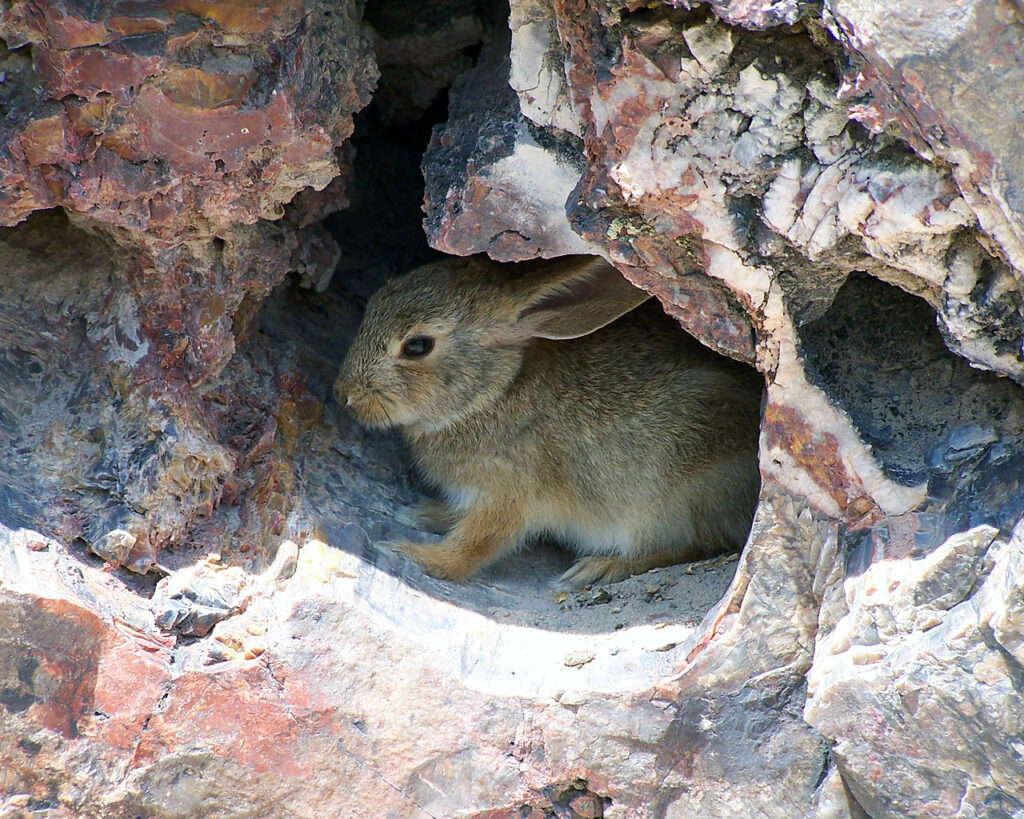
84,462
928,417
510,628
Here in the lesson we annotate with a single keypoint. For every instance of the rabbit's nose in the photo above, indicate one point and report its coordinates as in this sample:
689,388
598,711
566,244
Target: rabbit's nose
343,392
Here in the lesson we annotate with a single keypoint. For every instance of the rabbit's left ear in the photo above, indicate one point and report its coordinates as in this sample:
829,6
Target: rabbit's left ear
575,300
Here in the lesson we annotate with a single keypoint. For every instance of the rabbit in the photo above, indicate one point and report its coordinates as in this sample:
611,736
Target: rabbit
549,399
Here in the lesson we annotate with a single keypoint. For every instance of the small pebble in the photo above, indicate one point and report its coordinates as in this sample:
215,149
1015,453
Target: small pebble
600,596
572,699
578,657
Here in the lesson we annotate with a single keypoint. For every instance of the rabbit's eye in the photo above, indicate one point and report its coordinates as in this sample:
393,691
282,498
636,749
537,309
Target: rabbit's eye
417,347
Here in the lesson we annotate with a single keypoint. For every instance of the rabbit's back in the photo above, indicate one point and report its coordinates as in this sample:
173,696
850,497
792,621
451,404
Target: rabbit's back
634,437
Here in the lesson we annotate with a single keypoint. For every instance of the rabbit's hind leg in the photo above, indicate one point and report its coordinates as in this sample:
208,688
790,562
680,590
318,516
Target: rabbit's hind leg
609,568
479,538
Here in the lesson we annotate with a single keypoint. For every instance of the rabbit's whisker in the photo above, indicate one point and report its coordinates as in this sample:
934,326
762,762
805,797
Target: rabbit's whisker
383,407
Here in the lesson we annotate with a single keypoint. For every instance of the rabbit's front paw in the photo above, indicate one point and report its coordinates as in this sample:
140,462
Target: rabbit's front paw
429,515
437,560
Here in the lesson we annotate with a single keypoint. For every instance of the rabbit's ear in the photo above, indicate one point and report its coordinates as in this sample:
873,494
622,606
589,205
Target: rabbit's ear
575,300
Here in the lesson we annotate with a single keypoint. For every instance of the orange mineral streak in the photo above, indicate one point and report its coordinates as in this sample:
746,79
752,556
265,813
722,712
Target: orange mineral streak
219,712
44,141
65,27
64,678
817,453
195,88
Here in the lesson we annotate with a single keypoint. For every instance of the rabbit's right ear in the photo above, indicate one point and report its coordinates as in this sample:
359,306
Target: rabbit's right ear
574,300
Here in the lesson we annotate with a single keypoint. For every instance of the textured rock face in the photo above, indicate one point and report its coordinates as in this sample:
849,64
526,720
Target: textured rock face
174,132
196,618
157,118
919,654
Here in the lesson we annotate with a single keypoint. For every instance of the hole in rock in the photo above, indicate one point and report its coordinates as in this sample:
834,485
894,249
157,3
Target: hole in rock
508,623
927,415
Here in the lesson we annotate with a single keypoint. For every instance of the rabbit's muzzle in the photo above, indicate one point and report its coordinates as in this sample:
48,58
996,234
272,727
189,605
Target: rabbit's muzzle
364,404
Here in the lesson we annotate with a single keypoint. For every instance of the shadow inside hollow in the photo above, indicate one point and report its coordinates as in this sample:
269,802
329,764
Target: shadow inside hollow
927,414
358,483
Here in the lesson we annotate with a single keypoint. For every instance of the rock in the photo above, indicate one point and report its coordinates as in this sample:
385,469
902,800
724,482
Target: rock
314,695
115,546
909,666
156,119
575,659
812,190
537,68
967,123
493,182
178,138
420,54
194,599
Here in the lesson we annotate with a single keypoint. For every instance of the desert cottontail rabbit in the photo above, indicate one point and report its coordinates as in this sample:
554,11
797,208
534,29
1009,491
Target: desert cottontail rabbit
539,401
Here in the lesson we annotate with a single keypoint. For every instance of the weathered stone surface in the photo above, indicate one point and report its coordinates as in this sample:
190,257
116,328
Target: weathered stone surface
915,658
904,80
104,439
902,83
537,68
491,184
336,672
174,130
825,192
178,132
156,117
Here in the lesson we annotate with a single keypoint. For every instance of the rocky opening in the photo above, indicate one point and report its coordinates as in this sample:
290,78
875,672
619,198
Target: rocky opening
359,481
762,168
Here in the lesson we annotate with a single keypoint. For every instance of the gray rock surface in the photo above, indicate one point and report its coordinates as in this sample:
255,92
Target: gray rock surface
826,192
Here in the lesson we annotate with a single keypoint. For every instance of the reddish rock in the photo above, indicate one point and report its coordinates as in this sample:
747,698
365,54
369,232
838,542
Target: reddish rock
491,186
948,86
342,712
182,132
152,414
166,143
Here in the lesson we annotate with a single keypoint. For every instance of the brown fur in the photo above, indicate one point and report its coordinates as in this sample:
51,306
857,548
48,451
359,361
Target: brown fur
633,444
